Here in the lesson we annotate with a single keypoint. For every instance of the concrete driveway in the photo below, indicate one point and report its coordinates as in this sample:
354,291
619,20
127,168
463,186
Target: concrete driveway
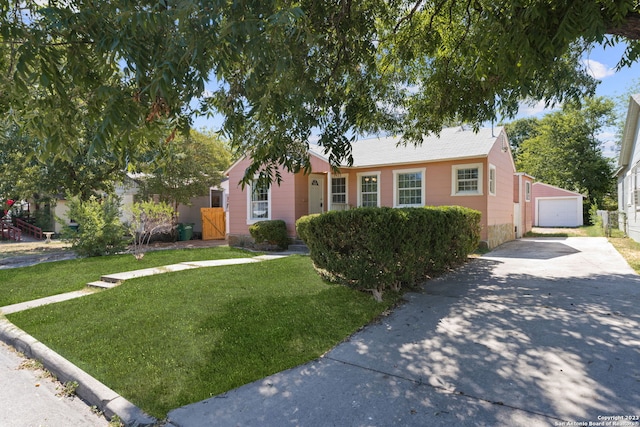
537,332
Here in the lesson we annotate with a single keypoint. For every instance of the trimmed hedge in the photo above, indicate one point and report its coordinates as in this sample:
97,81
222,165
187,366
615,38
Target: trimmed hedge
272,232
374,249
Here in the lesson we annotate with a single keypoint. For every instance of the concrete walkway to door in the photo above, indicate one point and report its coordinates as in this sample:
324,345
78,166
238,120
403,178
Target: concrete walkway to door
538,332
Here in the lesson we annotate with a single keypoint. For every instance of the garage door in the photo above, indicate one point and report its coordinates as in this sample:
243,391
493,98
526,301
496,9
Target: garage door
558,212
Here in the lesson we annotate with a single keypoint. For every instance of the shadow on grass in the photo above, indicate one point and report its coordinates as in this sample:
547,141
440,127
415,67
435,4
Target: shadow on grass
480,344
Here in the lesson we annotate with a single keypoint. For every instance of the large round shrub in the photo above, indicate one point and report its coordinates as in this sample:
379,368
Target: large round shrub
375,249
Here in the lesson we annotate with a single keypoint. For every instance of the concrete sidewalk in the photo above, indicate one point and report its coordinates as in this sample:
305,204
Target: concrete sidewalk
538,332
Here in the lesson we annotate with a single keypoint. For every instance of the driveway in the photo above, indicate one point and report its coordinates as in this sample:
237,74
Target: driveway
537,332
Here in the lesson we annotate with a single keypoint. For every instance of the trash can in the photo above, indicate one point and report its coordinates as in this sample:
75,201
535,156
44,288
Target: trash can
185,231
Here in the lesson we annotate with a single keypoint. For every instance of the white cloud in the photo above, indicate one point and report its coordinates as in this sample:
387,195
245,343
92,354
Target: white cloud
534,109
608,140
598,70
531,109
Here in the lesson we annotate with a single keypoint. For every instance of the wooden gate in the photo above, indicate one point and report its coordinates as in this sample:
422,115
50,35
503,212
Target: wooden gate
213,223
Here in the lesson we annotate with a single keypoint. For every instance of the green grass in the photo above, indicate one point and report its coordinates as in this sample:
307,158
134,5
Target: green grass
628,248
46,279
177,338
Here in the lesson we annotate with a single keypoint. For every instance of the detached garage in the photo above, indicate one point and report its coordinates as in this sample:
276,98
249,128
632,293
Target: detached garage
556,207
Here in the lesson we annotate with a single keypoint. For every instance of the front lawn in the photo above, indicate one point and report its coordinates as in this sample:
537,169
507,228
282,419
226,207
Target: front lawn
51,278
168,340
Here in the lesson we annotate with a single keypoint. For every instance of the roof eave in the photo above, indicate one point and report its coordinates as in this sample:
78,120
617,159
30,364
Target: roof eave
629,132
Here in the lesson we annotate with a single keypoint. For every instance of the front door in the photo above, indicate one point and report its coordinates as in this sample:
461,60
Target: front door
316,193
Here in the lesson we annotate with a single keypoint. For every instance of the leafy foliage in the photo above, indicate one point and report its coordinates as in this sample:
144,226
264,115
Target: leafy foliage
146,220
99,231
128,72
564,150
272,232
375,249
519,131
24,174
184,168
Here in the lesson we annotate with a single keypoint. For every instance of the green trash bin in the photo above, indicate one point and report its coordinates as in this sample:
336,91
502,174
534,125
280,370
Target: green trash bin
185,231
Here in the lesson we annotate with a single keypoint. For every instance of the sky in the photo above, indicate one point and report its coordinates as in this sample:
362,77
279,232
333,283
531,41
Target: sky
602,64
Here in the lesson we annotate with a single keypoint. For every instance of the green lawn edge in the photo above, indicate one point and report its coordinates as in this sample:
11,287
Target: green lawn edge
51,278
173,339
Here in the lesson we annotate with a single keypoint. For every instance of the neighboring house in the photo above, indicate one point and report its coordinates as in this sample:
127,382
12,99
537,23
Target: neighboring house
192,213
128,190
556,207
460,167
628,172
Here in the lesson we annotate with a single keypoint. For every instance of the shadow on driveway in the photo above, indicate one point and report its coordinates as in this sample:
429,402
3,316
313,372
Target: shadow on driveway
504,340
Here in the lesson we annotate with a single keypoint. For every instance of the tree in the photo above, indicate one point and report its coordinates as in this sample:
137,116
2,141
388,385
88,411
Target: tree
148,219
186,167
81,171
284,69
565,151
519,131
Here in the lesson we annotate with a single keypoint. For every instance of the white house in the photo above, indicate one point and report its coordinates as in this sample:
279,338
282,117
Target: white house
628,172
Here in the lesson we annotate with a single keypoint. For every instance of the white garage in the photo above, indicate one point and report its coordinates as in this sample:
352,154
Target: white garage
556,207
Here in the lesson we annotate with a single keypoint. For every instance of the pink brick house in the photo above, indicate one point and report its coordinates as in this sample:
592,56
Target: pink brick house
460,167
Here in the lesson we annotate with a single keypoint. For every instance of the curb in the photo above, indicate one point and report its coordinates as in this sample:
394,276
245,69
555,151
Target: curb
89,389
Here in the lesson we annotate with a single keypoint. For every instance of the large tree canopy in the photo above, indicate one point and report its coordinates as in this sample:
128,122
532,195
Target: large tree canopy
185,168
81,171
131,70
562,149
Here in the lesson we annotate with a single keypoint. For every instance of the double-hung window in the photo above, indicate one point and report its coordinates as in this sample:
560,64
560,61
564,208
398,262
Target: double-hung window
466,180
369,189
259,202
339,190
408,187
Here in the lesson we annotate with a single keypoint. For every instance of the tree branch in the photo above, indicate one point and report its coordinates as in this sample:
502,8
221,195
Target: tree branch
408,16
629,28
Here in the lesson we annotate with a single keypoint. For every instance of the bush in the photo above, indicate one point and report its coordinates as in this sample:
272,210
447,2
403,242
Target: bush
100,231
273,232
374,249
148,219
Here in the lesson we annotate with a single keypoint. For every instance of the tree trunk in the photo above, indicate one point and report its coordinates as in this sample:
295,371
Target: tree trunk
629,28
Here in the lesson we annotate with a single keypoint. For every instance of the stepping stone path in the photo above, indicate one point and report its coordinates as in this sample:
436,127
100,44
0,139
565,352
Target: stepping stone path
112,280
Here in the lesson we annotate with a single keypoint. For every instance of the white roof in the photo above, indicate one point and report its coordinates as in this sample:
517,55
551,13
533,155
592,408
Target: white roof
453,143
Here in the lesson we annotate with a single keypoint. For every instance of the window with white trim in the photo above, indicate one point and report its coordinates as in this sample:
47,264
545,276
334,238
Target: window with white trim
466,180
408,187
527,191
339,190
259,202
369,189
492,180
